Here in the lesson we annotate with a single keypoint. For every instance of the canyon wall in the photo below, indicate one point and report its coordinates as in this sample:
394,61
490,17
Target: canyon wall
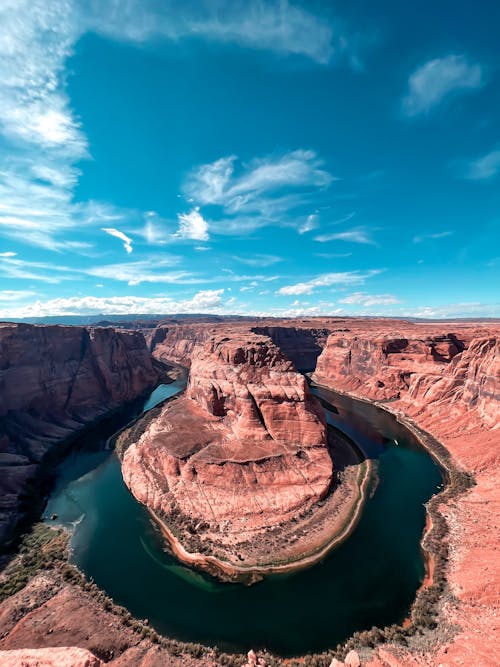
449,385
243,450
54,380
302,345
177,342
439,375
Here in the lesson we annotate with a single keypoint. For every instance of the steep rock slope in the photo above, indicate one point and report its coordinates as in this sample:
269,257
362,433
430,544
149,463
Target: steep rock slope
458,375
53,381
448,384
242,452
301,344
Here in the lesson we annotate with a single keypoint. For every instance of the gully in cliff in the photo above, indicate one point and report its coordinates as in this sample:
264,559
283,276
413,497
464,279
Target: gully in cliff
238,471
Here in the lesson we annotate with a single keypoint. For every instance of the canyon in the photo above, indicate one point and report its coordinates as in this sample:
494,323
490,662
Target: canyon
54,381
248,415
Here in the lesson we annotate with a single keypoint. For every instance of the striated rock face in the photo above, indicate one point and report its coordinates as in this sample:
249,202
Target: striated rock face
177,342
448,384
302,345
242,451
451,373
53,381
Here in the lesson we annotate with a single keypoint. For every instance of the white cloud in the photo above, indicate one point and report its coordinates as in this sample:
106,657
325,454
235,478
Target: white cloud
151,270
15,295
351,236
127,241
311,222
259,260
8,254
327,280
436,236
201,302
455,310
193,226
13,267
485,167
274,25
262,192
434,81
217,183
369,299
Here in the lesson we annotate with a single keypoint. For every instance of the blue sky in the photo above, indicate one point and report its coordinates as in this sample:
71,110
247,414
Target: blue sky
256,157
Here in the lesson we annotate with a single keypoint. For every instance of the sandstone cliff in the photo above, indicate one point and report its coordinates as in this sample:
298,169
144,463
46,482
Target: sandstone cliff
441,375
242,452
448,384
54,380
177,342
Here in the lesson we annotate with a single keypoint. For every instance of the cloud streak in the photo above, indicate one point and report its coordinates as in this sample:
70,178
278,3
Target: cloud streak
278,26
484,168
350,236
127,241
327,280
438,79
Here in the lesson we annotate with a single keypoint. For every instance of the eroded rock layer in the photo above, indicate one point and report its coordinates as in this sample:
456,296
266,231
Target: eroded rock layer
449,385
242,452
53,381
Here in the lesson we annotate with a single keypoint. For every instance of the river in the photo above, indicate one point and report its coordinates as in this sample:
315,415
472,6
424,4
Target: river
371,579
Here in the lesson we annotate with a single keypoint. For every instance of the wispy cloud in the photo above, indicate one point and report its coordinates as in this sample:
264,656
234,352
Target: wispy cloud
351,236
364,299
311,222
127,241
455,310
15,295
328,280
16,268
259,260
484,168
154,269
275,25
262,192
217,182
436,236
437,79
193,226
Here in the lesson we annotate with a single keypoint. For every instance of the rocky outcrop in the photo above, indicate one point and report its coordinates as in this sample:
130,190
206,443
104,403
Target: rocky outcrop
449,385
177,342
458,375
241,453
54,380
302,345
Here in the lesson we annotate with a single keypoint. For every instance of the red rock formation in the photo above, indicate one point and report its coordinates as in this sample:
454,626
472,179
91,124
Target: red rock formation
452,373
244,450
54,380
301,344
177,342
449,384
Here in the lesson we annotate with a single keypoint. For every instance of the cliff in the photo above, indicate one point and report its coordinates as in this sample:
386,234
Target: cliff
457,374
240,454
177,342
449,385
54,380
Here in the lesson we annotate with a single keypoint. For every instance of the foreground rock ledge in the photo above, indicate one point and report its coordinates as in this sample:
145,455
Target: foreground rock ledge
235,469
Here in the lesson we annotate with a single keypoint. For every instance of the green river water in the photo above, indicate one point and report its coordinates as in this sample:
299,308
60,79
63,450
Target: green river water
371,579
